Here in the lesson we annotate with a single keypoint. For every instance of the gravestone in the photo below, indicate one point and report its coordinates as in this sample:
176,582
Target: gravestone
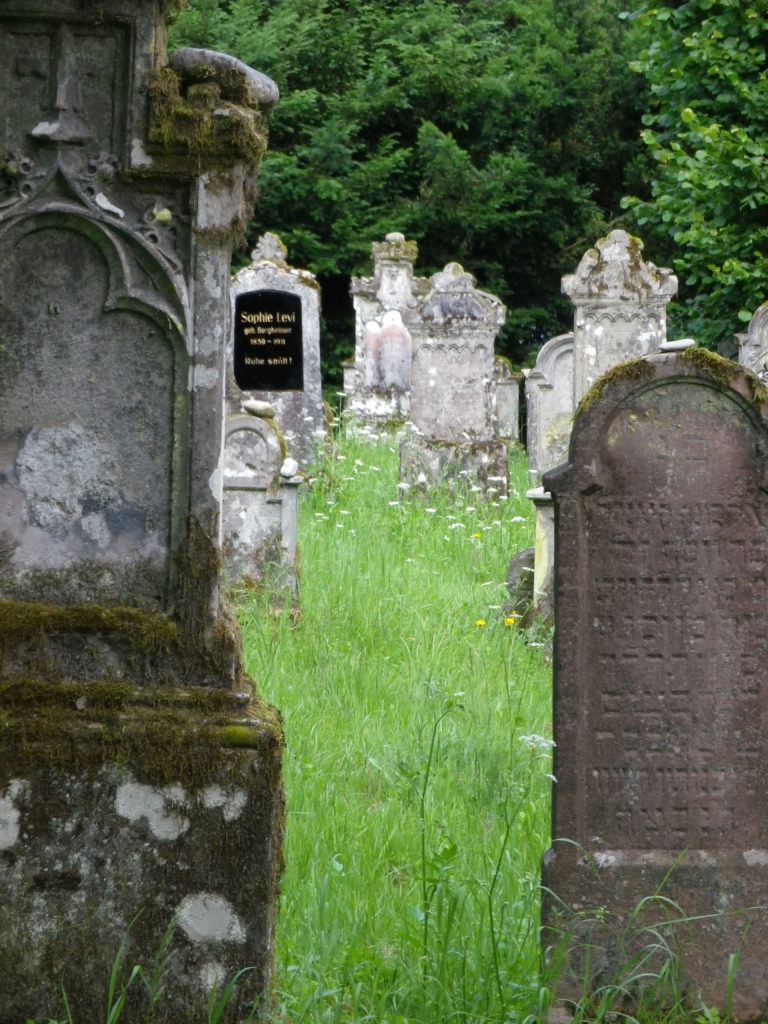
377,388
753,344
659,683
619,313
139,779
620,308
508,383
549,406
260,504
275,350
453,434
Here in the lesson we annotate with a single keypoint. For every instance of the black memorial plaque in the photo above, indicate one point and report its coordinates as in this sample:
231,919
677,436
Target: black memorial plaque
268,341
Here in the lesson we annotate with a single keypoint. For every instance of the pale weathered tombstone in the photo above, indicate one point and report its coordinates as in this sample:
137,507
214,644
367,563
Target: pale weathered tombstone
620,304
659,684
139,779
620,308
549,406
454,432
275,346
508,383
377,388
260,505
753,344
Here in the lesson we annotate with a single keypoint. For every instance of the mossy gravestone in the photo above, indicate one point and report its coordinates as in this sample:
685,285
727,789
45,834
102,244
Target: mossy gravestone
660,809
139,779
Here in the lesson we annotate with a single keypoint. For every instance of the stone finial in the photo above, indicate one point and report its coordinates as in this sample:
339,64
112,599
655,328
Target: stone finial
395,248
614,271
270,248
453,296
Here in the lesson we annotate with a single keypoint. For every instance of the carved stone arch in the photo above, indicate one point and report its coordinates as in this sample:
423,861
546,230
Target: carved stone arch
94,413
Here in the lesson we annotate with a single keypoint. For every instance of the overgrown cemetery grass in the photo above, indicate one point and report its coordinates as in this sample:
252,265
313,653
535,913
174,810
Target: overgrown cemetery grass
418,725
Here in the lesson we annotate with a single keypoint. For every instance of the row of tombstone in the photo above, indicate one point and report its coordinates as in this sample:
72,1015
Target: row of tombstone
140,777
274,415
424,354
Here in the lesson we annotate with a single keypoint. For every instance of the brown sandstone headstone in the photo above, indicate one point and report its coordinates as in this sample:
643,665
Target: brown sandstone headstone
660,714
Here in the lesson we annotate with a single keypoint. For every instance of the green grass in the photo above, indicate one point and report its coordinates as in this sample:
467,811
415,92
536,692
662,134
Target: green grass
418,753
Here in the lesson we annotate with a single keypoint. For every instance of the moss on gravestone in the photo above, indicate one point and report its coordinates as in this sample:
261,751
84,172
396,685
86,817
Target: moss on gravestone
635,370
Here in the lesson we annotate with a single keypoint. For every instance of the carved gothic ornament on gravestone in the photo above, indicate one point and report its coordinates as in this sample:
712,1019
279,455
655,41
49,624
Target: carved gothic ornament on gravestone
275,351
130,737
620,308
660,684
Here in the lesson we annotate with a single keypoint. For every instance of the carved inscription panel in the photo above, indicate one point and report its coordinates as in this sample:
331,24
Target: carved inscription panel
677,570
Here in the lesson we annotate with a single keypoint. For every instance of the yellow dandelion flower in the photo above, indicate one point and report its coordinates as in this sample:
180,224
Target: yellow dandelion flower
476,536
479,622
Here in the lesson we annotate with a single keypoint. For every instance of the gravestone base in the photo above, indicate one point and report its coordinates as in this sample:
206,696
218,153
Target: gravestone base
123,809
260,536
380,408
427,463
704,909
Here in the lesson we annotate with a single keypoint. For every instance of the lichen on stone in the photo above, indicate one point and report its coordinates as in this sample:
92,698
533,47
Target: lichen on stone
636,370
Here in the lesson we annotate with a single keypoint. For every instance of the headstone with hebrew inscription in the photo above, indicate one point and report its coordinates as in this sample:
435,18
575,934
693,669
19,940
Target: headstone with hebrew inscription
660,685
453,436
130,735
275,348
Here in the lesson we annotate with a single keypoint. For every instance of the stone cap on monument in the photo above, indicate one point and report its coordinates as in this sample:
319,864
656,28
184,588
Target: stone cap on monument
270,249
615,272
393,283
453,297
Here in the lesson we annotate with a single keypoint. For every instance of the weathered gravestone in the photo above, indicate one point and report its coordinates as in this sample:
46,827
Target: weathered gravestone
508,383
753,344
453,435
549,406
620,312
660,683
377,385
260,504
139,780
275,351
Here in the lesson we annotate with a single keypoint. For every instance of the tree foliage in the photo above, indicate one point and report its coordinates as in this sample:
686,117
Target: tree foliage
494,132
706,134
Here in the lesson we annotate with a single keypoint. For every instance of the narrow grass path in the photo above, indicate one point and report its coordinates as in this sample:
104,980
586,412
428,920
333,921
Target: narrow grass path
416,771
